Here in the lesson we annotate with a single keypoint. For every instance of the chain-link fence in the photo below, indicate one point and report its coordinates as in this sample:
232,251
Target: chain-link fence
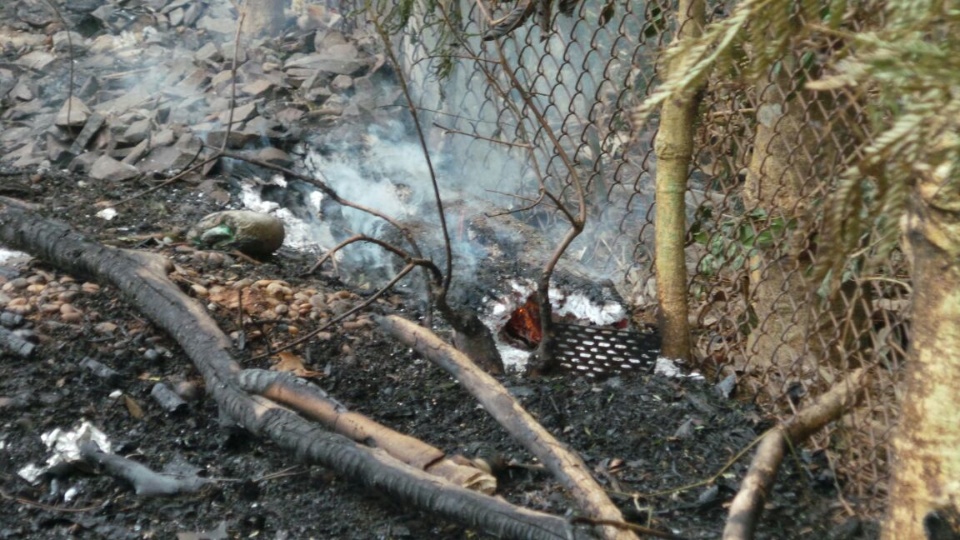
534,119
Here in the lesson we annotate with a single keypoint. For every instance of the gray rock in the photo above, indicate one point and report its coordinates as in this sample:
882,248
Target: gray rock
241,113
62,41
136,132
37,60
339,59
257,88
93,125
208,54
341,83
107,168
74,113
166,158
24,90
274,156
239,138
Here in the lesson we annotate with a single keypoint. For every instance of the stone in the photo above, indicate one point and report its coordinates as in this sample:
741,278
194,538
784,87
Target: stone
274,156
253,233
239,138
208,54
73,113
107,168
176,17
24,90
36,60
166,158
93,125
137,152
257,88
341,83
136,132
241,113
63,41
84,162
340,59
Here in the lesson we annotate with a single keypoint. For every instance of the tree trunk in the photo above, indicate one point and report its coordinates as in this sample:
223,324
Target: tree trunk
674,147
925,490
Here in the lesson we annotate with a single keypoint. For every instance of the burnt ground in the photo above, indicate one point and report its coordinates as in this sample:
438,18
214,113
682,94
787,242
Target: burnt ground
644,436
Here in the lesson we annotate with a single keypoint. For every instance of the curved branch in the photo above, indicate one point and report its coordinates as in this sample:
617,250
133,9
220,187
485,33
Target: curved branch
747,505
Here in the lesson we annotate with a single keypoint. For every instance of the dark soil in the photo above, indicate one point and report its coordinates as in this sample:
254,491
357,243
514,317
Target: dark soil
656,443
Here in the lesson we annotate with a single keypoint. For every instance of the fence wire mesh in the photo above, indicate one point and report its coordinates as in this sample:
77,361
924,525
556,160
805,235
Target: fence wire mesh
545,109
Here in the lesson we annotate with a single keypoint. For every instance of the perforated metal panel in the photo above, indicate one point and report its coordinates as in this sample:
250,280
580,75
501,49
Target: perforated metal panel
600,352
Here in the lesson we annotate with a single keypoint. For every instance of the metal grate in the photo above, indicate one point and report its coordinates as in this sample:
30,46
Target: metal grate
598,352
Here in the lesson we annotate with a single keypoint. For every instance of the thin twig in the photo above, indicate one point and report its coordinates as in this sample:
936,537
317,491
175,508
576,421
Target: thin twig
448,250
310,335
452,131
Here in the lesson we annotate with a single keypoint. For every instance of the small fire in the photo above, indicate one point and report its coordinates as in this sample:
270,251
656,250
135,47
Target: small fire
524,323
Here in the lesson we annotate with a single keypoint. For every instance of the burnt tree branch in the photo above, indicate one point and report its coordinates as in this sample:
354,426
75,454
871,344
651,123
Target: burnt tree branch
748,504
311,401
143,280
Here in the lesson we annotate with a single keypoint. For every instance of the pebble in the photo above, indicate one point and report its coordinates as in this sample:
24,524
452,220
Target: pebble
67,296
50,308
200,290
90,288
281,309
16,283
318,303
243,283
278,290
105,328
151,355
20,309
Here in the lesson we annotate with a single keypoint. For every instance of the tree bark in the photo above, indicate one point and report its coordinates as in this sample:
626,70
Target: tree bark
311,401
142,278
674,148
926,470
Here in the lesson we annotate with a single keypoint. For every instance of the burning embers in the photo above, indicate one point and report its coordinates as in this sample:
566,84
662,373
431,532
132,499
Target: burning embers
591,335
524,325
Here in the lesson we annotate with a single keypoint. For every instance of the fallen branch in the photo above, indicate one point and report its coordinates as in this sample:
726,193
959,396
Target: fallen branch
142,278
564,464
145,481
313,402
748,504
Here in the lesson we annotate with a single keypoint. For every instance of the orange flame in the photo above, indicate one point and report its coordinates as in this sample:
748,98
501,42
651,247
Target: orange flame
524,323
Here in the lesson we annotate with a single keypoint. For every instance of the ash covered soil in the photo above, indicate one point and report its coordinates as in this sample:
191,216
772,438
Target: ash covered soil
657,444
645,437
